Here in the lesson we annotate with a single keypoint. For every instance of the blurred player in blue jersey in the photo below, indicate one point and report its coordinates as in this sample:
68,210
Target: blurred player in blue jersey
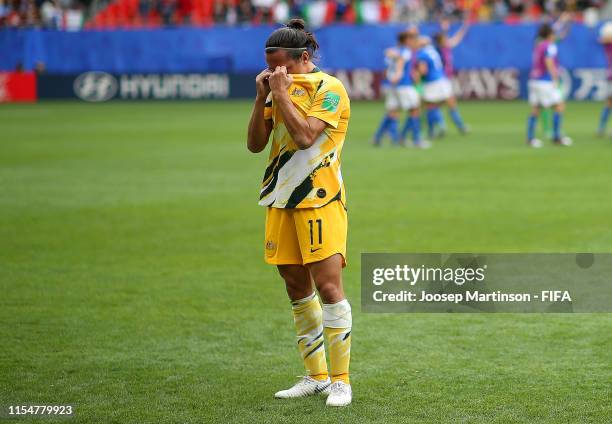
561,29
437,89
400,95
445,43
544,87
606,40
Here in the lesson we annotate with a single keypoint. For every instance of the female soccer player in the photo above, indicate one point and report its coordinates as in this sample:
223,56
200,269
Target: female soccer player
544,89
400,95
444,44
437,89
307,113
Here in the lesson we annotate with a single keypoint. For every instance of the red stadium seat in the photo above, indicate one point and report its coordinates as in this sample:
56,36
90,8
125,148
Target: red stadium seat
202,12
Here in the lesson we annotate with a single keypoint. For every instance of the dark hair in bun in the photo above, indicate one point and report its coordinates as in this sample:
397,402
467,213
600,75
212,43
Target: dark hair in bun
294,36
296,23
545,31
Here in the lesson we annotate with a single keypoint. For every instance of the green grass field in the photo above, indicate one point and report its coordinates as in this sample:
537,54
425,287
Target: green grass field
133,284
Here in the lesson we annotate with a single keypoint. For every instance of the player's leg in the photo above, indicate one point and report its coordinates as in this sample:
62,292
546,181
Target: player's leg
603,119
389,122
532,121
282,249
552,96
308,319
381,130
433,118
557,118
406,129
417,137
322,233
409,98
441,123
558,137
444,91
453,111
337,323
393,128
432,99
413,118
545,118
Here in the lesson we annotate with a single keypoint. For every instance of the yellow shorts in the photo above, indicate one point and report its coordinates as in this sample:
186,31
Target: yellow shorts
303,236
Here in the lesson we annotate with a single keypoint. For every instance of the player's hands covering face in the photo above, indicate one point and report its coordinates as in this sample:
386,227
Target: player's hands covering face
280,80
261,83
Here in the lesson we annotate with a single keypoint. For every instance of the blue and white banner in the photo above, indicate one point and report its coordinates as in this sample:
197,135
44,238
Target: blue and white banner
102,86
361,84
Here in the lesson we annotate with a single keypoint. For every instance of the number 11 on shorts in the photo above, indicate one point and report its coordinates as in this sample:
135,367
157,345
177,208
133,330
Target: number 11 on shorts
319,228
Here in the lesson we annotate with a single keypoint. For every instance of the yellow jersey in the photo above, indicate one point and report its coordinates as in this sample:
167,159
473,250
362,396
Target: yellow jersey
308,178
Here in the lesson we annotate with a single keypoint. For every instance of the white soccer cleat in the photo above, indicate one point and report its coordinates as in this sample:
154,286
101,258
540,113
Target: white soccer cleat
536,143
564,141
340,394
307,386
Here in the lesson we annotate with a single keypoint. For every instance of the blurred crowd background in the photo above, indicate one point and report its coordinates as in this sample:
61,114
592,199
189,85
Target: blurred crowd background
74,15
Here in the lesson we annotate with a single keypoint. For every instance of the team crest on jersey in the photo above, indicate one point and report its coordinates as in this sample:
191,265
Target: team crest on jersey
331,101
270,245
298,92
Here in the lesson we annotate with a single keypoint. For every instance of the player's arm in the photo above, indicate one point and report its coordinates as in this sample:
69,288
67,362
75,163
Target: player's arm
391,53
549,62
304,132
260,127
562,26
416,75
458,36
552,69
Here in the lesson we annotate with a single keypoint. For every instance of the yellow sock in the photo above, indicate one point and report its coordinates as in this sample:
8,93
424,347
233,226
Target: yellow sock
308,318
338,322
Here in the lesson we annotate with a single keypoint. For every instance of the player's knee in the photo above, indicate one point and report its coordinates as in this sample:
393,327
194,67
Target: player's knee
329,285
296,282
330,291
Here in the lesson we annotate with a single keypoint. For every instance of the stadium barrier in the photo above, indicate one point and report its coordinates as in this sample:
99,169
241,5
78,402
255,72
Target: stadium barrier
239,50
361,84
